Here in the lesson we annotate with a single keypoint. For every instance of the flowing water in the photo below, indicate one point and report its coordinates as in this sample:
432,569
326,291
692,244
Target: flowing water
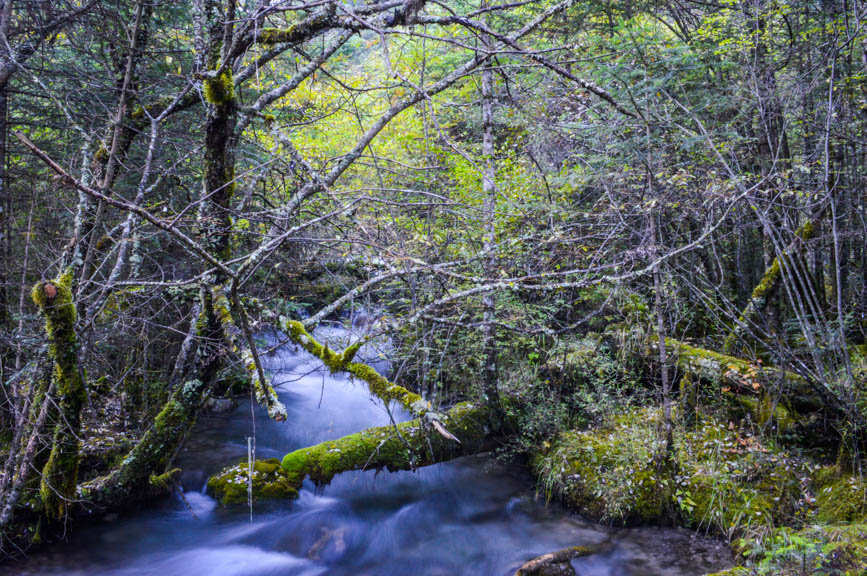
469,516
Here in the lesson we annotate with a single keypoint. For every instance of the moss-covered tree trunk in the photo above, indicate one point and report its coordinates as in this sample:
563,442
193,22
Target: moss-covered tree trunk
217,179
60,474
145,470
768,287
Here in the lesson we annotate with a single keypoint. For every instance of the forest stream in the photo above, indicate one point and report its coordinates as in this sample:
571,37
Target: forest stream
469,516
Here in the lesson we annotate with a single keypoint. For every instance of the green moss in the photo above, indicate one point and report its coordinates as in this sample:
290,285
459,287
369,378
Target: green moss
387,447
270,36
165,482
724,480
60,473
735,372
736,482
269,482
101,155
608,473
762,410
297,31
219,91
839,497
404,447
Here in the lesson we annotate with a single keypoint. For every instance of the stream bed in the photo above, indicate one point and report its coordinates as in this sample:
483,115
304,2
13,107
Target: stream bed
472,516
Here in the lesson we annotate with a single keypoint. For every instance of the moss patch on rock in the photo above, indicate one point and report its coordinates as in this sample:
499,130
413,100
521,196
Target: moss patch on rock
782,513
270,481
731,481
607,473
723,479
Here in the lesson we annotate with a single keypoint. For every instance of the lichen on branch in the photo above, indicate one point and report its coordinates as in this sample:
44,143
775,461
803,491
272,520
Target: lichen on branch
377,384
266,396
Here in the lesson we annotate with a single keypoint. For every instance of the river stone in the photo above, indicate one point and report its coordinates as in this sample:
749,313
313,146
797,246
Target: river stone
220,405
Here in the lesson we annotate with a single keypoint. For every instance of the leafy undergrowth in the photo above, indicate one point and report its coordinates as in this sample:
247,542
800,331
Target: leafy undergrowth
826,549
781,512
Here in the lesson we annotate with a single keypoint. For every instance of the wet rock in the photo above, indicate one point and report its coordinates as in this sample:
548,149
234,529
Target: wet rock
220,405
558,563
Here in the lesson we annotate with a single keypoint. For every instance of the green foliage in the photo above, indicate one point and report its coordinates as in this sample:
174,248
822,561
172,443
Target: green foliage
830,550
581,383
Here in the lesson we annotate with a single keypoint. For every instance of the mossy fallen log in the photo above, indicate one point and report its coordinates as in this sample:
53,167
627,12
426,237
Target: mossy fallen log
559,563
733,375
406,446
744,377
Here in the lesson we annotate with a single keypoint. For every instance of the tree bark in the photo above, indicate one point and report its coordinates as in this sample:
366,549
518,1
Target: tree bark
490,373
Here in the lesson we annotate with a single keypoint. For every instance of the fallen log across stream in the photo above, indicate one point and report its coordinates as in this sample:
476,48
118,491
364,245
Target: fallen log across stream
405,446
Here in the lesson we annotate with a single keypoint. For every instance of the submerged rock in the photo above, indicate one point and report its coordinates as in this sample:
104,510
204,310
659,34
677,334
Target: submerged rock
220,405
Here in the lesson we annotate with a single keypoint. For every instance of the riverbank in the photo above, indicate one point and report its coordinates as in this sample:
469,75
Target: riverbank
470,516
781,512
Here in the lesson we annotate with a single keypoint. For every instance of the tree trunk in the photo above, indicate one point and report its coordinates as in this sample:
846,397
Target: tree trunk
767,288
60,474
489,191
